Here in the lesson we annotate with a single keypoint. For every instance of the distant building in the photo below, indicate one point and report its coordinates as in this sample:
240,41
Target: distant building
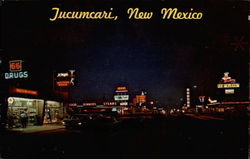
139,99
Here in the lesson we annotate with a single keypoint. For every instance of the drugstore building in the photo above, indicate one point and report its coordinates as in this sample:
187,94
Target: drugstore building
21,93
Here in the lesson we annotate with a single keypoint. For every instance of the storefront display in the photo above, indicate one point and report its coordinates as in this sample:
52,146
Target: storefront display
32,107
53,112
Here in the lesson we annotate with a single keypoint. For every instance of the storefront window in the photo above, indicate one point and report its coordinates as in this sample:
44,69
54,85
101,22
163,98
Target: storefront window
53,112
32,107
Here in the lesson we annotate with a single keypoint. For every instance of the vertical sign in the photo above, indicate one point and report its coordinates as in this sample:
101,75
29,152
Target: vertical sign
188,96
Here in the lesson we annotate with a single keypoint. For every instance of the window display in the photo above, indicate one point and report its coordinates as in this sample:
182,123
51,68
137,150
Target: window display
33,108
53,112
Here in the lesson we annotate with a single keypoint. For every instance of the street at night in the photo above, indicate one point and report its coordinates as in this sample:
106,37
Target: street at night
160,137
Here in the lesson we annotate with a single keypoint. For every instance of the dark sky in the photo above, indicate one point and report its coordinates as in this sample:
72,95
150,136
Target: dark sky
159,56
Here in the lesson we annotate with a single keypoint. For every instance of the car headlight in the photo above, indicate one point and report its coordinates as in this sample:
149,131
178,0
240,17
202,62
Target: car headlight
79,123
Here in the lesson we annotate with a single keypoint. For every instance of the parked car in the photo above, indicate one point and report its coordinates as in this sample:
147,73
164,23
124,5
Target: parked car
100,123
75,121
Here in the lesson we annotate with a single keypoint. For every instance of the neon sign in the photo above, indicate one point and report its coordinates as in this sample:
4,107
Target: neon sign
15,65
10,100
16,72
124,104
227,79
63,83
230,85
121,89
63,74
72,104
121,97
25,91
89,104
12,75
109,103
229,91
66,79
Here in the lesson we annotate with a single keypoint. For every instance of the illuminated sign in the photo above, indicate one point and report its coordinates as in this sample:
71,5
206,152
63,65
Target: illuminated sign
229,85
229,91
124,104
72,77
121,97
66,74
10,100
72,73
72,104
211,101
25,91
227,79
140,98
202,99
63,74
188,96
109,103
16,72
13,75
66,79
121,89
15,65
89,104
63,83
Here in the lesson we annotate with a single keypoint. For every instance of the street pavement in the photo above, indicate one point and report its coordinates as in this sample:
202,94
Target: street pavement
204,117
157,138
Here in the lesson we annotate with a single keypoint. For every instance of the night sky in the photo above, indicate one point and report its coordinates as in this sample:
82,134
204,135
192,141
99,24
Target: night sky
161,57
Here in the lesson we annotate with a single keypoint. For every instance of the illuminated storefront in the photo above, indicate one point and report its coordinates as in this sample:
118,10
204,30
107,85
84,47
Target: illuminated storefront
22,93
53,112
32,107
38,111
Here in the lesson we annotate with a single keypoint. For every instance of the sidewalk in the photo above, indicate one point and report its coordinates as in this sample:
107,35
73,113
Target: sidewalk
33,129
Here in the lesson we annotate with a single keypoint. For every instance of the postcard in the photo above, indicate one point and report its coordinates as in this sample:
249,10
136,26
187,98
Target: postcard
124,79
